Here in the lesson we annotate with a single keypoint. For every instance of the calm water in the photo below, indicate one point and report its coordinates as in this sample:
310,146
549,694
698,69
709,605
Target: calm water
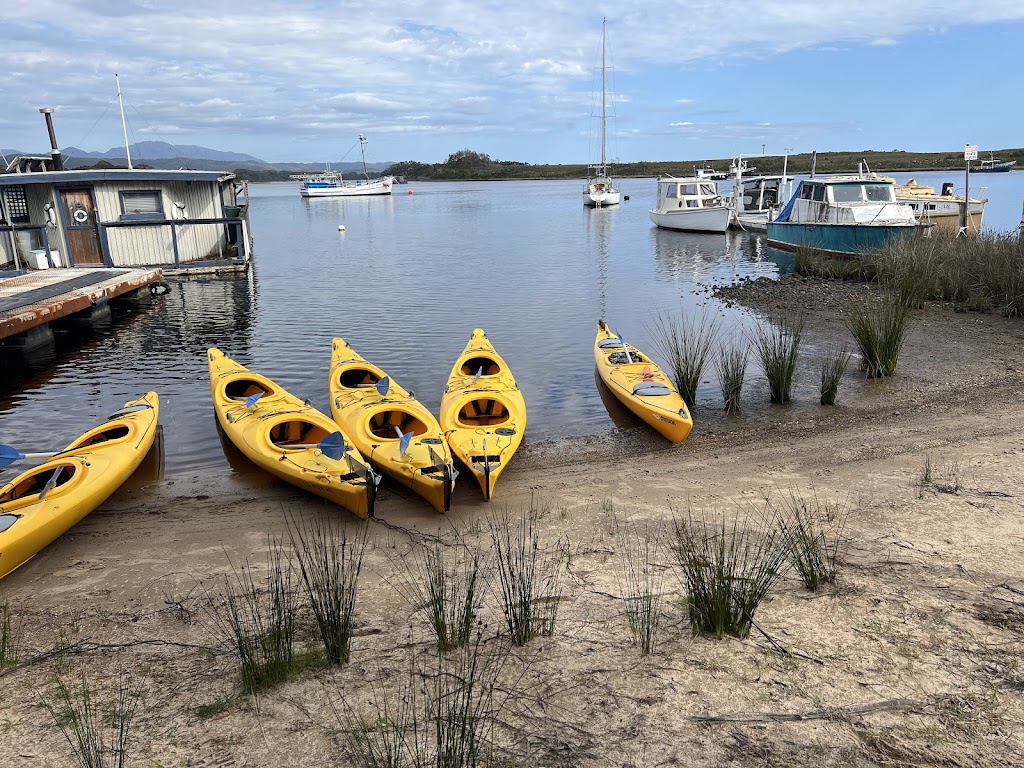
405,284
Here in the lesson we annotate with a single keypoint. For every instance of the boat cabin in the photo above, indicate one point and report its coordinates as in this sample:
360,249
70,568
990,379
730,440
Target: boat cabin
762,193
691,192
122,218
846,200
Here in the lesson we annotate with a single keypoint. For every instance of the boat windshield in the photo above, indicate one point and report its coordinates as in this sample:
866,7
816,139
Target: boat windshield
847,193
880,193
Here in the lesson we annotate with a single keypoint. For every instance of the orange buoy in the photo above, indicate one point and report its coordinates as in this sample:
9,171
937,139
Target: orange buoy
410,192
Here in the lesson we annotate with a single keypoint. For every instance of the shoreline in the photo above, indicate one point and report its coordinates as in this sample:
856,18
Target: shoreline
911,658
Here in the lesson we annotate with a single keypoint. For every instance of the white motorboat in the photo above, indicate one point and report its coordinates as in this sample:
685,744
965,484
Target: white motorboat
690,204
332,184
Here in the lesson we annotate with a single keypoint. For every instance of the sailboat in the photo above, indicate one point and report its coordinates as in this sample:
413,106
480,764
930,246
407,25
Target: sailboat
600,191
331,184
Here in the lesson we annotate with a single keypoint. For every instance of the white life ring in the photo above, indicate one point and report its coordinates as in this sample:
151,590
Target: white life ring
80,215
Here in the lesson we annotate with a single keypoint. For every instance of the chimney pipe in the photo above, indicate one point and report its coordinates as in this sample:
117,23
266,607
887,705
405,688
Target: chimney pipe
58,161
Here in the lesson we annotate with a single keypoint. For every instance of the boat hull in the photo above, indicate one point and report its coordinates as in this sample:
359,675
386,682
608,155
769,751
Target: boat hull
374,422
839,239
483,413
997,168
666,413
280,433
383,187
92,468
715,220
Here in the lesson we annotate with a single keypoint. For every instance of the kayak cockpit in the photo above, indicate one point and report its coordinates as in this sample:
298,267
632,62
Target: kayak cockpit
243,389
624,358
483,412
358,378
296,433
383,424
116,432
34,483
485,366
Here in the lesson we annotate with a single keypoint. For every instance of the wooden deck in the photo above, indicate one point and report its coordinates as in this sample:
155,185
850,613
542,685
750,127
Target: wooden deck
36,298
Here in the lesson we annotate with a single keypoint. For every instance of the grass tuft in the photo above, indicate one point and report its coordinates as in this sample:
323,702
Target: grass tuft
813,531
450,586
777,346
732,369
643,581
529,579
10,638
879,332
832,369
727,568
330,564
686,345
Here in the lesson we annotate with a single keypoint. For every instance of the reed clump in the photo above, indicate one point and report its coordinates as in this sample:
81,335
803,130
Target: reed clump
727,568
10,638
449,582
74,712
644,581
685,343
330,562
832,369
778,346
529,576
732,370
259,624
880,330
813,531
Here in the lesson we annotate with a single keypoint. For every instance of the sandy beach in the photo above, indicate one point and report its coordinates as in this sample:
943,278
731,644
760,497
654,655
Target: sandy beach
911,658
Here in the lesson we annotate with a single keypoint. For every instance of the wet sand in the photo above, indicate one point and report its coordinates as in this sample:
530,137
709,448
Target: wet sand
912,658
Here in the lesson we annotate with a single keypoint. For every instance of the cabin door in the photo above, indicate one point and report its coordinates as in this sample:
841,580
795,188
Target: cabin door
80,225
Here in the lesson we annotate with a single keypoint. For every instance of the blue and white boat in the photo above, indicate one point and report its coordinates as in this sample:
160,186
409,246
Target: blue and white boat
843,215
331,183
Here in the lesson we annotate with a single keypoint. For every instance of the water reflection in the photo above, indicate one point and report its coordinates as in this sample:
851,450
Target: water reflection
598,228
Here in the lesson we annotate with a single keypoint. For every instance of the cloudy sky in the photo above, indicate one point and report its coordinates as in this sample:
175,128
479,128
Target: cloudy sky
297,81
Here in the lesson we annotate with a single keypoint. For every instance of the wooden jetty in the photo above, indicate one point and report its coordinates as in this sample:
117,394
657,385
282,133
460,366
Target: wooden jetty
30,301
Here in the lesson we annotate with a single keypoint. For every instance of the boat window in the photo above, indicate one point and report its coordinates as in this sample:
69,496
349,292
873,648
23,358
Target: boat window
819,193
806,190
673,190
142,204
708,189
688,189
847,193
880,193
14,207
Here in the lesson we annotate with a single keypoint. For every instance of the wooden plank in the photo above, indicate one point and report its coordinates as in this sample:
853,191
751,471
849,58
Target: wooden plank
23,318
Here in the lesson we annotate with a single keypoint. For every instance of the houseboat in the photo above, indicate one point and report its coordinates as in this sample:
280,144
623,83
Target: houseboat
176,220
691,205
843,215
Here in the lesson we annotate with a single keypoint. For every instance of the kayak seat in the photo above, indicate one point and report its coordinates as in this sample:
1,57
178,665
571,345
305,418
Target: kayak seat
33,484
296,432
115,433
352,378
650,389
474,364
242,389
383,424
483,413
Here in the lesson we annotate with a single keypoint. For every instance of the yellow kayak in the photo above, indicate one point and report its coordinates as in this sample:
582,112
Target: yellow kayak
640,385
483,413
41,503
288,437
399,436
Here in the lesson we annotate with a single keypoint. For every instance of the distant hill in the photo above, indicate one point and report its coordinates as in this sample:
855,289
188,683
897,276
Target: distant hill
146,151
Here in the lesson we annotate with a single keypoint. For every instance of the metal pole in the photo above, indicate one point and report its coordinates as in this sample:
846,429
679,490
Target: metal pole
124,125
965,216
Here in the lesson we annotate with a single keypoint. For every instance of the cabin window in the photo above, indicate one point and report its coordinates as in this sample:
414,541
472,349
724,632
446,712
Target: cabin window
806,190
707,189
879,193
689,189
142,204
819,193
673,190
14,205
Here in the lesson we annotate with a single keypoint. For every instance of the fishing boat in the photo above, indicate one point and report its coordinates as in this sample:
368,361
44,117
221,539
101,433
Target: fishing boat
756,200
333,184
600,190
944,209
288,437
843,215
399,436
640,385
42,503
994,166
740,167
483,413
690,204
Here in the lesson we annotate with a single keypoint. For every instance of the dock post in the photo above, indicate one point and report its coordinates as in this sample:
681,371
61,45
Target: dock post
174,245
31,340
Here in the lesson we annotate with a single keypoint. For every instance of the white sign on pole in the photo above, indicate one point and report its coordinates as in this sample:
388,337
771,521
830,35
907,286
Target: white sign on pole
971,152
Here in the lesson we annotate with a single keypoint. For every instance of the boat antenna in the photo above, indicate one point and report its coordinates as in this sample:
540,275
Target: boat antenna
362,151
124,125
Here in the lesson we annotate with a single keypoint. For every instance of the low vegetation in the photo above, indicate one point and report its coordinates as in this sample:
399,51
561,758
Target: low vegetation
833,366
778,347
643,582
449,583
813,532
879,329
732,370
685,343
9,638
74,712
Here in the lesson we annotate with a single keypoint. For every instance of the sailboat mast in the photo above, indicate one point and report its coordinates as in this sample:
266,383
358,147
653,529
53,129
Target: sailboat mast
362,151
604,27
124,125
